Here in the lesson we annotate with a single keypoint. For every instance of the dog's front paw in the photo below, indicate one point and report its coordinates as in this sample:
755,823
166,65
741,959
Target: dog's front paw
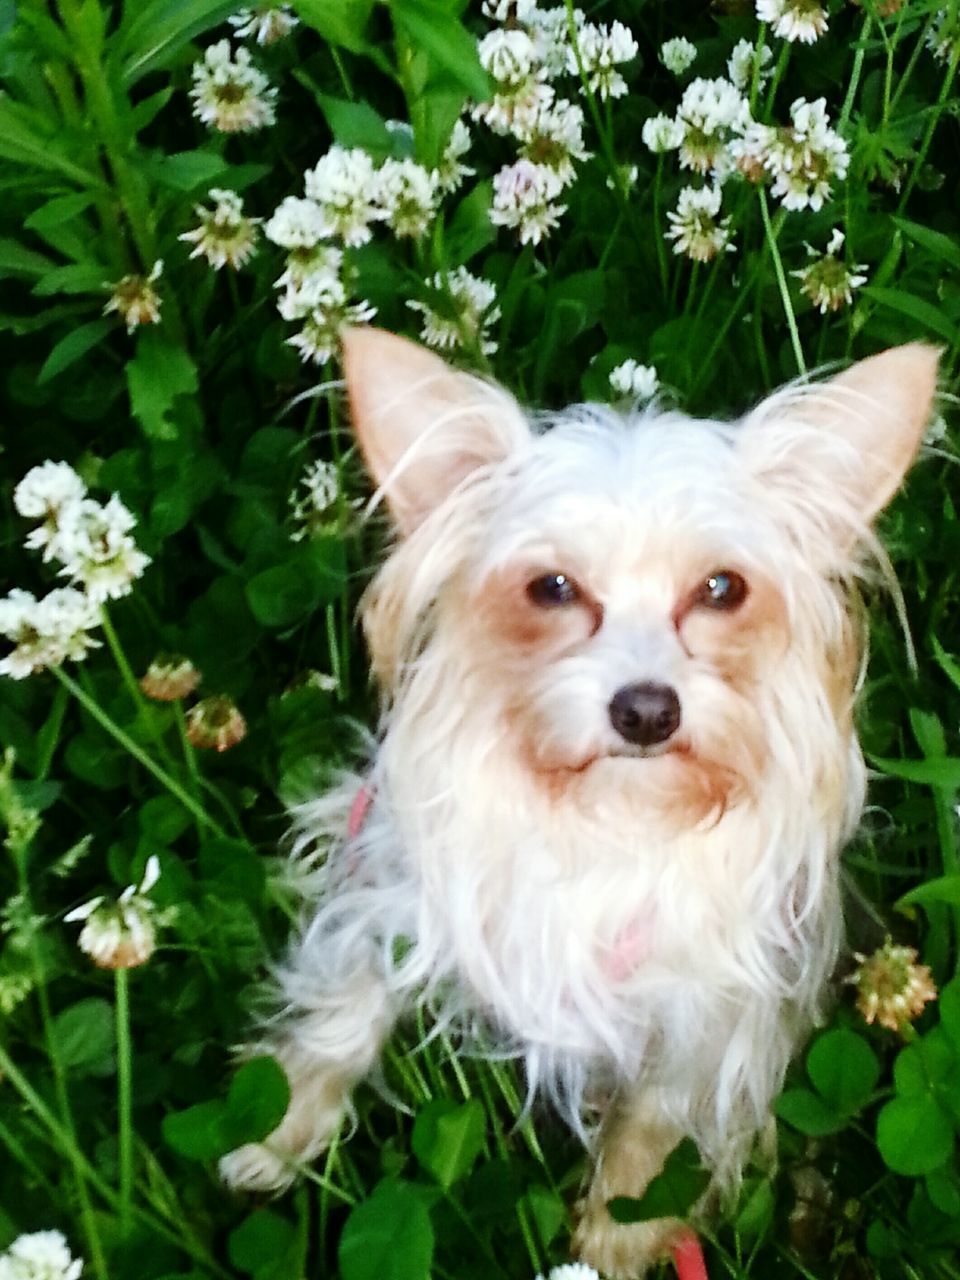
624,1251
254,1167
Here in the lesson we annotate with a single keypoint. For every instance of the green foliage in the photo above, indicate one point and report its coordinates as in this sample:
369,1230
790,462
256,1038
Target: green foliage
114,1101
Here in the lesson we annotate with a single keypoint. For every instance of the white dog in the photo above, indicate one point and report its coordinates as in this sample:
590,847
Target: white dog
618,660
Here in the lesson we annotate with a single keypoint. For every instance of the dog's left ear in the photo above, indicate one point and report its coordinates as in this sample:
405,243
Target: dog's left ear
839,450
423,426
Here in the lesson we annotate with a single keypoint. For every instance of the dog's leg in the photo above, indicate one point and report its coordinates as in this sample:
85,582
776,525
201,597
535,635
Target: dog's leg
325,1052
634,1142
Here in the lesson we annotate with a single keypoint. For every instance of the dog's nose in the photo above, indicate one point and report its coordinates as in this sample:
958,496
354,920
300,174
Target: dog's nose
645,713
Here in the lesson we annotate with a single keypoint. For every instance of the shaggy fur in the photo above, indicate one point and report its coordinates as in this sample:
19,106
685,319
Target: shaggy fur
652,924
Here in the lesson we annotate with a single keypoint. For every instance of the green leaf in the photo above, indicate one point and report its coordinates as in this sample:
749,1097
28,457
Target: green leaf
808,1112
388,1236
287,592
936,771
447,1139
263,1243
924,313
949,1005
153,34
341,22
356,124
257,1101
156,376
941,889
85,1037
843,1069
75,277
16,260
915,1135
429,25
197,1132
187,170
935,242
58,210
943,1189
671,1194
546,1209
949,665
470,228
70,349
756,1211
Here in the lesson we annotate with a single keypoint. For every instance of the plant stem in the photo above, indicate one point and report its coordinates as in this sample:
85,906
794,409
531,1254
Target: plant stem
101,717
124,1095
855,74
771,238
935,115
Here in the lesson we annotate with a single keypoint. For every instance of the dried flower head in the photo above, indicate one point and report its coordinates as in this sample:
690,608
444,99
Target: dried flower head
229,93
121,934
40,1255
827,280
215,724
134,298
891,987
170,677
267,23
224,237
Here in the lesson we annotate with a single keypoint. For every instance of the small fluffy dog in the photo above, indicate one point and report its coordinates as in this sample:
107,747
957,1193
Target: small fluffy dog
618,659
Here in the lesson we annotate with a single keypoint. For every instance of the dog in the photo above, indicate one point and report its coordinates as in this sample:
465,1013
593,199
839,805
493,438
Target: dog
618,657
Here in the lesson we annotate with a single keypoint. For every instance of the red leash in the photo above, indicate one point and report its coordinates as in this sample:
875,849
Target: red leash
688,1259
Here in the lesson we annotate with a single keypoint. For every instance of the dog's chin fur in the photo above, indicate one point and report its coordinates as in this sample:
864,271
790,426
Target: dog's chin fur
656,924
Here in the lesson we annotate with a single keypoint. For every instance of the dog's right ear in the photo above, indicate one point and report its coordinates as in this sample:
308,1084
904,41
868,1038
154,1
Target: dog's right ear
422,426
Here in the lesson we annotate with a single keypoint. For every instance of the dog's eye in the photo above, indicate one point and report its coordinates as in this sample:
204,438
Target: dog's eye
553,589
723,590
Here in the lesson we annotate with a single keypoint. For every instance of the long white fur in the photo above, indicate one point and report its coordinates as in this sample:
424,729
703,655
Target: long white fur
472,889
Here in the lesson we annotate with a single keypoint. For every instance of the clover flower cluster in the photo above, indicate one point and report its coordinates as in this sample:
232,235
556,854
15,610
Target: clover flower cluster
267,23
39,1255
524,58
134,298
120,934
826,279
225,237
93,543
229,93
717,138
792,20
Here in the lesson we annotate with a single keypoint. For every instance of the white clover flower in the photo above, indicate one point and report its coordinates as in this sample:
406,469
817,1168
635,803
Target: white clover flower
509,57
121,934
550,31
266,22
40,1255
803,20
602,49
554,137
296,224
741,62
324,262
46,632
943,35
345,187
135,300
662,133
572,1271
805,157
678,55
94,543
408,196
710,111
231,94
311,510
640,381
321,301
523,195
451,171
827,281
694,228
45,492
468,311
224,237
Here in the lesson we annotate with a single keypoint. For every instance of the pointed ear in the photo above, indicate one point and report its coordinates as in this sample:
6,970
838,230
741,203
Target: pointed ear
842,448
422,426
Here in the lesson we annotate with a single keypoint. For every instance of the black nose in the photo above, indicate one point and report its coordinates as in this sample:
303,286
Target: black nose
645,713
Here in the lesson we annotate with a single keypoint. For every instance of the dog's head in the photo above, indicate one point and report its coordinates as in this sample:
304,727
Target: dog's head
655,603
